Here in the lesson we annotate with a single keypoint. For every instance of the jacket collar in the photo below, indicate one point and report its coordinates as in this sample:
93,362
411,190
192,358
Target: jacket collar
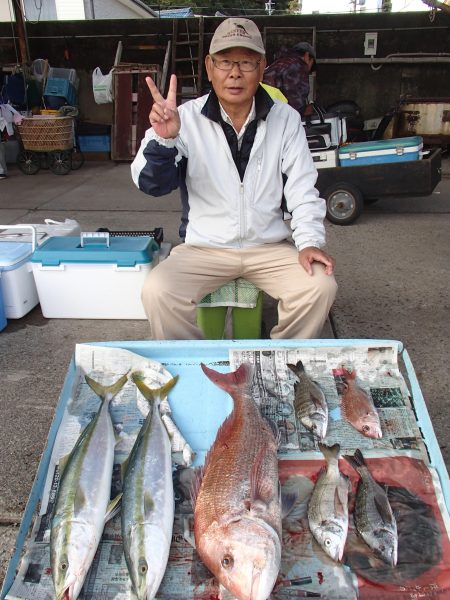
263,104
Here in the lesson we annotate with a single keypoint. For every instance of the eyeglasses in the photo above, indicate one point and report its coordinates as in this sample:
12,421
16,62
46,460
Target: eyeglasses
246,66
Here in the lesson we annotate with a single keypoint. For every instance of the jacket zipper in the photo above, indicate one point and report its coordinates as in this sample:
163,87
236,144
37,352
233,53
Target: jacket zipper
242,213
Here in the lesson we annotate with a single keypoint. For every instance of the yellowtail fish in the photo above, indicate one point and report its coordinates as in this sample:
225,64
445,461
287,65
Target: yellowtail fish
148,500
83,499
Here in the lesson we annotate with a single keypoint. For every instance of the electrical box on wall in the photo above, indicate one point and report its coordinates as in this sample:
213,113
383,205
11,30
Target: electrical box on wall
370,44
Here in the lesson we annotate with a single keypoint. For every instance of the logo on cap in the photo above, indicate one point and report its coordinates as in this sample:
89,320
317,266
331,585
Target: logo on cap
239,31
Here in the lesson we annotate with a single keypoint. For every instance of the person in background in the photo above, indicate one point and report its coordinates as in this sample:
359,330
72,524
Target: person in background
290,73
231,150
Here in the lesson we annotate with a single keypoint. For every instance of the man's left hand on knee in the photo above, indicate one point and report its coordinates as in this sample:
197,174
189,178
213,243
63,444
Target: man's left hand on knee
310,254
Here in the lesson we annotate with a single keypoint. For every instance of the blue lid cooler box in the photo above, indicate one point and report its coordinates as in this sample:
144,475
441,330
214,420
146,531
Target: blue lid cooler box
94,276
19,292
381,151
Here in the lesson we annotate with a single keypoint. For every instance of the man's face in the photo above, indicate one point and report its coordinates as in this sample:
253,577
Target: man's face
235,87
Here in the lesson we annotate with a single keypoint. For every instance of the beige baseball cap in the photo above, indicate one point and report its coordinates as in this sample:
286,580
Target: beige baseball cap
237,33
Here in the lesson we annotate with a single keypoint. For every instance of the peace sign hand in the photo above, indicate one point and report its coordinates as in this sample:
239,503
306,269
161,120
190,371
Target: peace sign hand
164,117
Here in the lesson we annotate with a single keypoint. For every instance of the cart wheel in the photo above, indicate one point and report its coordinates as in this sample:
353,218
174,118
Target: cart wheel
28,162
60,163
77,159
344,203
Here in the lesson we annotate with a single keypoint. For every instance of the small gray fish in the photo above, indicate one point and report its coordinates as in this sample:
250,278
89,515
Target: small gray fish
309,402
374,519
328,506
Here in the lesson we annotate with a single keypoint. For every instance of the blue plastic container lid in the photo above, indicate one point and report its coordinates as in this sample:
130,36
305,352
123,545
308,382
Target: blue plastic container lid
123,251
12,253
375,145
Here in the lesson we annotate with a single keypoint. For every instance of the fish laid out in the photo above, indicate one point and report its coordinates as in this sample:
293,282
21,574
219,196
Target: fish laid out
236,496
328,506
358,407
310,404
373,516
148,498
83,500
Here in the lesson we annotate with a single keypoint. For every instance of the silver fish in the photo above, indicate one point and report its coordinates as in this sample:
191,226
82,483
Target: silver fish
83,500
328,506
373,516
309,402
148,499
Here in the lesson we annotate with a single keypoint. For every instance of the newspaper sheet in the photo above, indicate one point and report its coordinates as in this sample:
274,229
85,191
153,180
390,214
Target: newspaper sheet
377,373
399,462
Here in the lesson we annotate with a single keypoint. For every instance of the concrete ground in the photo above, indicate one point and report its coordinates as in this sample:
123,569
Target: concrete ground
393,275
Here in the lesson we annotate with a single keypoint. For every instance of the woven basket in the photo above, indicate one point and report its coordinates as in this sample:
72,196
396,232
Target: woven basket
45,134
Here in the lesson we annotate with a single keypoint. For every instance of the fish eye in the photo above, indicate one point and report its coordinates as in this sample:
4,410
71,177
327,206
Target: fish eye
327,542
64,566
143,567
366,428
227,562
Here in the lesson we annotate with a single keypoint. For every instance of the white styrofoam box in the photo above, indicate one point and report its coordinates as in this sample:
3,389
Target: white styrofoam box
93,280
18,287
50,227
324,159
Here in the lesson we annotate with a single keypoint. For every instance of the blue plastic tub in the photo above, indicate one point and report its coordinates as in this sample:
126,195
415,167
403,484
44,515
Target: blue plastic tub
2,310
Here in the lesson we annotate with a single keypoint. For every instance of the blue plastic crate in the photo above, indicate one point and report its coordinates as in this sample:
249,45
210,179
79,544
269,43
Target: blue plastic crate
94,143
56,86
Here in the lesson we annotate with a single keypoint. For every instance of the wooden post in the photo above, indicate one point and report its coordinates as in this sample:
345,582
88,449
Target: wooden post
21,33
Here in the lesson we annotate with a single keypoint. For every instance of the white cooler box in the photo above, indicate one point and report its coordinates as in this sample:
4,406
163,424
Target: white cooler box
17,244
95,277
325,159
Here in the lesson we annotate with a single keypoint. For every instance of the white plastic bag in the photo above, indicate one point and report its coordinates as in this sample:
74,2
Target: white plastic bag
102,86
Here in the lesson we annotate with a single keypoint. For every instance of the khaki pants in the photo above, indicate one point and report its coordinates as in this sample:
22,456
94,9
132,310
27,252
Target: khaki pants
172,289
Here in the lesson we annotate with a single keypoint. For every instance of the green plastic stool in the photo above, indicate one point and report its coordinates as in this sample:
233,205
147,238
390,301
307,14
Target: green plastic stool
246,322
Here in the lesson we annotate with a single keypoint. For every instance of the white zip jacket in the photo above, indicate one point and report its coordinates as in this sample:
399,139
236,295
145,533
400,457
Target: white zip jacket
224,211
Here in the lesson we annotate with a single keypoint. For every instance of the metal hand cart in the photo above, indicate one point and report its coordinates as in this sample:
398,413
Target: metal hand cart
47,142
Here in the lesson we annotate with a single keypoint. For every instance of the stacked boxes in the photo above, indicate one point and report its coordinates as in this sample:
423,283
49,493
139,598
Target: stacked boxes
61,88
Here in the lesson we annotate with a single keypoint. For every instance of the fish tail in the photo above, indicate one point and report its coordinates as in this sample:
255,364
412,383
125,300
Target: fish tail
298,369
349,374
330,452
357,462
230,382
151,393
103,390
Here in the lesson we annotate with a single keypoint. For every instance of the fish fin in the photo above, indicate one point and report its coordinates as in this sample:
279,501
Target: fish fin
383,507
329,451
103,390
151,393
260,491
233,381
348,374
288,500
113,507
274,429
196,484
298,369
149,505
341,500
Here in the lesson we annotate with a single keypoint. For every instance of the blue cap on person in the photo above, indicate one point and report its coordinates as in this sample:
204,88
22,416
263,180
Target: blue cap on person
237,33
